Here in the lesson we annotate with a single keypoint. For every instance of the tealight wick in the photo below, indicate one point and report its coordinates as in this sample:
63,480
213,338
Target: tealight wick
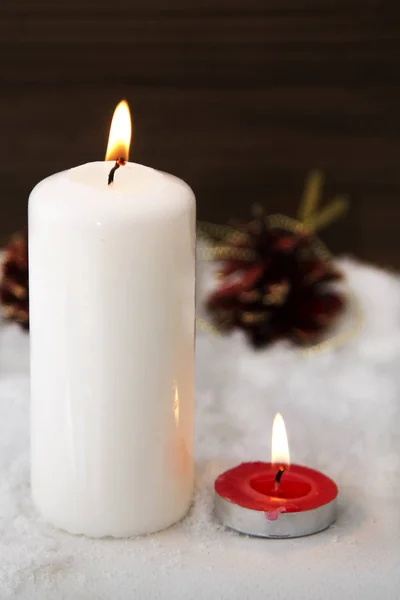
120,162
278,477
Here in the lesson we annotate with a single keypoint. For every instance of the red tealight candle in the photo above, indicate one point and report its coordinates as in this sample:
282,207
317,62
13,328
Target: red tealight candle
275,499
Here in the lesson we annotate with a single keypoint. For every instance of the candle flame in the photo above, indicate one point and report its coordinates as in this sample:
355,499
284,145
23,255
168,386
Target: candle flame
279,447
119,139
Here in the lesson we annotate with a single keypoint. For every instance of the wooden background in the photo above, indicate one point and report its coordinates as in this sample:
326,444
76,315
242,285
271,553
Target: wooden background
239,97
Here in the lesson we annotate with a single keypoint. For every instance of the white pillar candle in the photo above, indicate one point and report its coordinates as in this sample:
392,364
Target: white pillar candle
112,349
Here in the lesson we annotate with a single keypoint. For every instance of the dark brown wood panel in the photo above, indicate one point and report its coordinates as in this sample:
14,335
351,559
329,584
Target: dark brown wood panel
240,97
227,7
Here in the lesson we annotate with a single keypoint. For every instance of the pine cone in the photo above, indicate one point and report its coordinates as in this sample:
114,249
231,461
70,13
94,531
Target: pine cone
14,290
278,289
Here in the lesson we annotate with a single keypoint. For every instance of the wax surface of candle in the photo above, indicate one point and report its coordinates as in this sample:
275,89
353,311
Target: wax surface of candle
112,349
252,485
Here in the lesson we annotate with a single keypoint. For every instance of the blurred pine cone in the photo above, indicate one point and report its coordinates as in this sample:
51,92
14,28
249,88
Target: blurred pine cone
14,291
279,289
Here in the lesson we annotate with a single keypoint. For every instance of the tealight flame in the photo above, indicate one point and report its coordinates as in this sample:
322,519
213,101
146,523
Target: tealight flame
279,447
119,139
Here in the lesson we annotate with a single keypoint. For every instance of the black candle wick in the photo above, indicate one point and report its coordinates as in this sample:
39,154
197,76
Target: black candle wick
278,476
120,162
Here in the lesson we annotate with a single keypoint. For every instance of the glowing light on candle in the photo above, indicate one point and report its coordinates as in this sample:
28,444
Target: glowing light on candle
119,140
279,448
176,406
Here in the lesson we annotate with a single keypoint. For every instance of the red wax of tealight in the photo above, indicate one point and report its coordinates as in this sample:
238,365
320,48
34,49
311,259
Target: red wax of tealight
252,485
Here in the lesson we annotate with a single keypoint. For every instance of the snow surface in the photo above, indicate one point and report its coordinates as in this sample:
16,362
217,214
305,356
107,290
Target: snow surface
342,412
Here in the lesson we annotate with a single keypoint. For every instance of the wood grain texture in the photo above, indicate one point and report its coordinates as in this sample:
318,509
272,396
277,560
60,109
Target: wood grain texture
239,97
